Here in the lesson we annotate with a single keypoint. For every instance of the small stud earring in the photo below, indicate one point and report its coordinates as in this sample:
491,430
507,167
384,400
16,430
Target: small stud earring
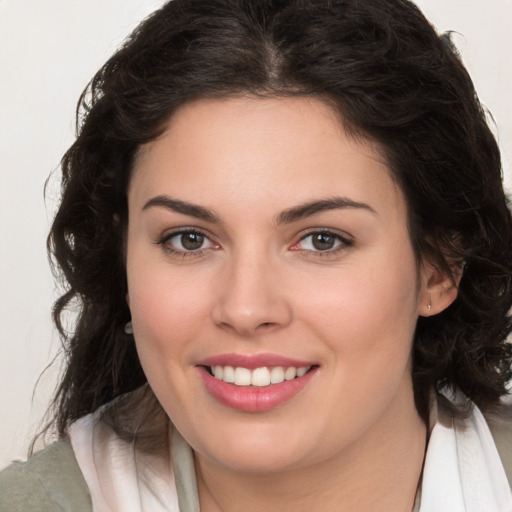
429,305
128,328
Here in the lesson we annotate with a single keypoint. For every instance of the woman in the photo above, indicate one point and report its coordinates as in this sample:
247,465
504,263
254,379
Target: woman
284,225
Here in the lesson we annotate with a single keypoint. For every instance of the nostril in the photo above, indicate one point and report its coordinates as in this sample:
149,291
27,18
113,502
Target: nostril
267,325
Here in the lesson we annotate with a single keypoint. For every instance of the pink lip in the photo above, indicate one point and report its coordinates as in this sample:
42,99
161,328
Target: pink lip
254,361
253,398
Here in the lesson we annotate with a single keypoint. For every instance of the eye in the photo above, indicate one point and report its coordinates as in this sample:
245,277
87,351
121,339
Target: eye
322,241
186,242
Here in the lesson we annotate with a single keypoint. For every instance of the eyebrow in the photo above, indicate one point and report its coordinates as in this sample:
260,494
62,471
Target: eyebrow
287,216
305,210
192,210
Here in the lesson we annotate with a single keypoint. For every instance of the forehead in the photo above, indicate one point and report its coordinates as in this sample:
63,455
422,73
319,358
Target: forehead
243,150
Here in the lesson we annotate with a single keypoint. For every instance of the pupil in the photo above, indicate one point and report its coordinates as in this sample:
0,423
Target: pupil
192,241
323,241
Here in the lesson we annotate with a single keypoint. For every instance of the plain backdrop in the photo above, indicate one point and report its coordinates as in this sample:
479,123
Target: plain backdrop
49,49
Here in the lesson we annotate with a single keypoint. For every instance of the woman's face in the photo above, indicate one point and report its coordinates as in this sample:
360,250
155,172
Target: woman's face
264,244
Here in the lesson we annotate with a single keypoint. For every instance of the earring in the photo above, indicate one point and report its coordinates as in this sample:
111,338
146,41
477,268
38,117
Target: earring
128,328
429,305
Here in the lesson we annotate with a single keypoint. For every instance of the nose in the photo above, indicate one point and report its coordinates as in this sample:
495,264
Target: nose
252,298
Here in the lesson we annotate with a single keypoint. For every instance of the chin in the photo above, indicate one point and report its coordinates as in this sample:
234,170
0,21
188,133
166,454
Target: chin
263,452
260,462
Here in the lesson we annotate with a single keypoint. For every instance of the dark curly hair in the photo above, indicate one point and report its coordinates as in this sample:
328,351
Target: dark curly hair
392,79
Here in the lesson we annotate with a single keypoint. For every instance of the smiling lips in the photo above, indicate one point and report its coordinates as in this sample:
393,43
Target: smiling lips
256,383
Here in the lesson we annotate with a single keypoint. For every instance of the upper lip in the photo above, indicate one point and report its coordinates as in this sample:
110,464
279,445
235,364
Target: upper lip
254,361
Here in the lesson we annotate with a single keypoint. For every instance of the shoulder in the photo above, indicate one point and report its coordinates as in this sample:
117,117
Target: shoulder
50,481
501,429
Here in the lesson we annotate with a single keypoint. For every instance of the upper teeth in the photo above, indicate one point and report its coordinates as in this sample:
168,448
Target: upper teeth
258,377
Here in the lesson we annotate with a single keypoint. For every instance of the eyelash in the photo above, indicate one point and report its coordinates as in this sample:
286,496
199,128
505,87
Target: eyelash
343,243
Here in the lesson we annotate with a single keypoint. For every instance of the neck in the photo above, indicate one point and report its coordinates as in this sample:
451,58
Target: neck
380,472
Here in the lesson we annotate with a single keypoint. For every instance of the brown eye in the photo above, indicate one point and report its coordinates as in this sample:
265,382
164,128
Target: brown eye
187,243
191,241
323,241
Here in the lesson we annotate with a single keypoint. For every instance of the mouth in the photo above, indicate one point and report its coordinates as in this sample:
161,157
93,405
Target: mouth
259,377
255,383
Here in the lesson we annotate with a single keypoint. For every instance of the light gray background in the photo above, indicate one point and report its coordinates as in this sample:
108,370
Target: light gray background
49,49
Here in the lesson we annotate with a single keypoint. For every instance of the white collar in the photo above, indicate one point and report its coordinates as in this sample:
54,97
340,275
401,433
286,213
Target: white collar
120,477
463,471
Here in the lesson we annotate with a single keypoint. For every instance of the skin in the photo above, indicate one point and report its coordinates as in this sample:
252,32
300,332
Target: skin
258,285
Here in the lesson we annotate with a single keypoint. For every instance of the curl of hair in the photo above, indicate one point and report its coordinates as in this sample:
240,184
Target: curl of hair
392,80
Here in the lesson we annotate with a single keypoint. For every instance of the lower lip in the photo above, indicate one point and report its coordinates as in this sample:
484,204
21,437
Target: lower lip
254,398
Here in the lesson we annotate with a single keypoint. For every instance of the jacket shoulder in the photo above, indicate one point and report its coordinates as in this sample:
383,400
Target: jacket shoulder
50,481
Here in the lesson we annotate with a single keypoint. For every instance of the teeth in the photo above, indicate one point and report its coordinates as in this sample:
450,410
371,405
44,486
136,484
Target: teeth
242,377
290,373
276,375
259,377
228,374
218,371
302,371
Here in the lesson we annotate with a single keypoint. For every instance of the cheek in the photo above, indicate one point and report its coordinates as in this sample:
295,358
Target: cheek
368,313
167,316
167,309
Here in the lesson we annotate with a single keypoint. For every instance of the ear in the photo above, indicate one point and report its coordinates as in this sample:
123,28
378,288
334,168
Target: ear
439,288
128,299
